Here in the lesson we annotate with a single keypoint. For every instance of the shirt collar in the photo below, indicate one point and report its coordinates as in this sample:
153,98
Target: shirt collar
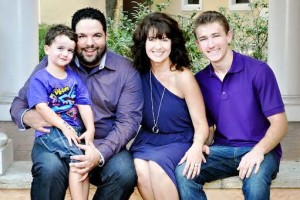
238,64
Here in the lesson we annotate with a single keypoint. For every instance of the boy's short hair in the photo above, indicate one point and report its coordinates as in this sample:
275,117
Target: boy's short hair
58,30
209,17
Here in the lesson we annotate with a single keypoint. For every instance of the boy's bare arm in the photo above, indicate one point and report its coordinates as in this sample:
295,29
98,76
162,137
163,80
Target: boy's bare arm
87,117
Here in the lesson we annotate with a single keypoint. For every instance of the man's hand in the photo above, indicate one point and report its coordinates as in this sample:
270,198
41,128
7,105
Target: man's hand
33,119
86,162
250,160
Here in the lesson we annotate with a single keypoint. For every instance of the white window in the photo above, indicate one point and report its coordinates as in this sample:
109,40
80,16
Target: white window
239,4
191,5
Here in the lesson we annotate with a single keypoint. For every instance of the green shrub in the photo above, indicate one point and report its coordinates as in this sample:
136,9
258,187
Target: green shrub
43,28
250,31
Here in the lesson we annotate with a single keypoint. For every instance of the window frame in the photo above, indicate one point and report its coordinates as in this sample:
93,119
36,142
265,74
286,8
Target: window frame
190,7
232,5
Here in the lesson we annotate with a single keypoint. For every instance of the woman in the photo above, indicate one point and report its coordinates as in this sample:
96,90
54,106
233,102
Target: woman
174,127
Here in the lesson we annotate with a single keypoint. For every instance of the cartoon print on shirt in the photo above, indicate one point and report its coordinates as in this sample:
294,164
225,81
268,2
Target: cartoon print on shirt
62,100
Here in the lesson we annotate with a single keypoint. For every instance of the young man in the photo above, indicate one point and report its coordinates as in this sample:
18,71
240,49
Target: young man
244,104
115,90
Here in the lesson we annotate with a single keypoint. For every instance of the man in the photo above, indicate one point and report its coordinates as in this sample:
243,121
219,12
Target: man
116,93
244,104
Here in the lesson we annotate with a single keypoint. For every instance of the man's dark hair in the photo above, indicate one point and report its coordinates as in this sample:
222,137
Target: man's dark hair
88,13
58,30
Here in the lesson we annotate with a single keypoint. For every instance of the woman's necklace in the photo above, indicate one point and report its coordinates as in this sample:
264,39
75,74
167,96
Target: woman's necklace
155,128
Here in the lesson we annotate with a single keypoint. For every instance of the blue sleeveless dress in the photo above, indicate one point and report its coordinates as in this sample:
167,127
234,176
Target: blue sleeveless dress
176,131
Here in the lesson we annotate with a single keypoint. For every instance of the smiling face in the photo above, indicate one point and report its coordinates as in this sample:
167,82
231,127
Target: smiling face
91,43
61,50
213,41
158,49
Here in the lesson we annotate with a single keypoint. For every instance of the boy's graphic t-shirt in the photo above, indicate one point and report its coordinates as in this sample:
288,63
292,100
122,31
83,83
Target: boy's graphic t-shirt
61,95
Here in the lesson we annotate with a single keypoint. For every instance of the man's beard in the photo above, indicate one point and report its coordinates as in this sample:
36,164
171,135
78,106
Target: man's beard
91,63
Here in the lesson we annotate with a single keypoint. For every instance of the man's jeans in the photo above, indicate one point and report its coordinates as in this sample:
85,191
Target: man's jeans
222,162
115,180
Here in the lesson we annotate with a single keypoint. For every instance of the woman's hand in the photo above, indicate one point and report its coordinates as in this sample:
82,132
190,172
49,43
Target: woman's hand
193,158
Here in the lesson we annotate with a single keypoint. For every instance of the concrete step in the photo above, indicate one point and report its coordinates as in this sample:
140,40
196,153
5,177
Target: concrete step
15,184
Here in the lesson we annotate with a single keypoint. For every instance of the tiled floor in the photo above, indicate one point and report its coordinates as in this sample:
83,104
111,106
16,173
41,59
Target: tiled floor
22,141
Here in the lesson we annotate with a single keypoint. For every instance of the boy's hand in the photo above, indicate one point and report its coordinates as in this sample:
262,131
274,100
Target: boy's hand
71,134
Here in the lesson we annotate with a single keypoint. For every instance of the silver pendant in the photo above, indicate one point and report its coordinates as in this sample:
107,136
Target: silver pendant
155,129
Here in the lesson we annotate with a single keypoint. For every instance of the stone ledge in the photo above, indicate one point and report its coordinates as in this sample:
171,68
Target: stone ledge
18,176
6,155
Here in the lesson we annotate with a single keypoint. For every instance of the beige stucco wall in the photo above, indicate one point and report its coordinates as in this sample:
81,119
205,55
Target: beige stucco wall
58,11
61,11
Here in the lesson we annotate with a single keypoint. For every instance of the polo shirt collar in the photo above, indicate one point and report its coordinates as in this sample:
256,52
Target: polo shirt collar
238,64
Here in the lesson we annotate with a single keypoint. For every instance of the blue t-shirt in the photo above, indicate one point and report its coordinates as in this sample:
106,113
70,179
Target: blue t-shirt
61,95
239,106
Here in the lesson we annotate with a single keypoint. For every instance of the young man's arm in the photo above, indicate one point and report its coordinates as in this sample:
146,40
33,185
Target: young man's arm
275,133
268,93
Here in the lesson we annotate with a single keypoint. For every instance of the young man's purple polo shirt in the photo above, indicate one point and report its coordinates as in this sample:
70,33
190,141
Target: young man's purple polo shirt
239,106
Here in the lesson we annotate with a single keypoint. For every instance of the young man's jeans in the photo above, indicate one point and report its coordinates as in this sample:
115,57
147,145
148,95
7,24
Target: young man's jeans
115,180
222,162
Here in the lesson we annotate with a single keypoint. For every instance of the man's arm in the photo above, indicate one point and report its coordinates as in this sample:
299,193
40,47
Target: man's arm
275,133
19,110
128,117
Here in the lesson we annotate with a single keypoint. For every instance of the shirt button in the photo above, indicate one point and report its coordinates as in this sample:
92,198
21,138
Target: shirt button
223,92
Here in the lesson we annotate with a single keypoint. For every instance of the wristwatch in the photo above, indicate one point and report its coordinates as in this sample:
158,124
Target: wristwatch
101,160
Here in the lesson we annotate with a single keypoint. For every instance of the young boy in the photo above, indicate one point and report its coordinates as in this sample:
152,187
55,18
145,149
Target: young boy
244,104
58,94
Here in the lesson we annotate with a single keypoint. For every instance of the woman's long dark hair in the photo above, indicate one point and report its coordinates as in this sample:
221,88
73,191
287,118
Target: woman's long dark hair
163,25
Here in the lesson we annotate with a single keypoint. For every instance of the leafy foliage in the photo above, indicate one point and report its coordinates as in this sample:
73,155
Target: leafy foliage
250,30
120,32
43,28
